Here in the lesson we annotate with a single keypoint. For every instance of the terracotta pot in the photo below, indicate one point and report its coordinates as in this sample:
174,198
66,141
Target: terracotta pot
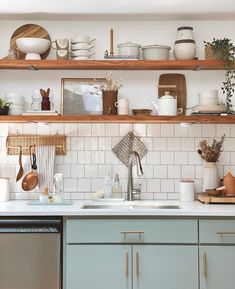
229,183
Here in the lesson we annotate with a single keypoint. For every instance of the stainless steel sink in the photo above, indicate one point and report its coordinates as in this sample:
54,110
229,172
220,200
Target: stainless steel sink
126,206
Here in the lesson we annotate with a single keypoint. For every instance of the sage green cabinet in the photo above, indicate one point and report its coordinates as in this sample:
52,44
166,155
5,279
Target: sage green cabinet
165,267
217,254
217,265
131,254
98,267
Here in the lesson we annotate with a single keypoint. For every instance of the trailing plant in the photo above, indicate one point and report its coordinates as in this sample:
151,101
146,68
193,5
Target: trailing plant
225,50
211,153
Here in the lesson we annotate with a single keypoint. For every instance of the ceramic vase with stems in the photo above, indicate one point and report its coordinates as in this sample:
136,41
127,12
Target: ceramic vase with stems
210,154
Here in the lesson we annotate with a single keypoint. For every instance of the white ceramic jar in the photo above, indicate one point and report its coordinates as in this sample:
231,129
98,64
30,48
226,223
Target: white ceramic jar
185,49
129,49
184,32
156,52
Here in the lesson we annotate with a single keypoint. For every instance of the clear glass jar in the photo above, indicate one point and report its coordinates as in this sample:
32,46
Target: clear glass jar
36,100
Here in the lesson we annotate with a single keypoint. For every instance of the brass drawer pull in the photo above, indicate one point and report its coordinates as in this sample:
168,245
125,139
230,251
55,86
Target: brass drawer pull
125,233
127,265
137,265
225,233
204,265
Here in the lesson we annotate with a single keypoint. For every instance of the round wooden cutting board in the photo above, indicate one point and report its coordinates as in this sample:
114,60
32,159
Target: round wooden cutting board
30,30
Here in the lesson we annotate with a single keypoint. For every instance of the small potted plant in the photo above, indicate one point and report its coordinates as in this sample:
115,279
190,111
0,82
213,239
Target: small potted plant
210,154
4,106
224,49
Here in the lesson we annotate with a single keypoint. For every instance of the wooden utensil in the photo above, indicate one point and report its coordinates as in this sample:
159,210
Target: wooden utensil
111,42
180,91
30,180
30,30
21,171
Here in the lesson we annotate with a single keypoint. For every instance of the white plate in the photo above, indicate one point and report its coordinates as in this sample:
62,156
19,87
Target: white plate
210,108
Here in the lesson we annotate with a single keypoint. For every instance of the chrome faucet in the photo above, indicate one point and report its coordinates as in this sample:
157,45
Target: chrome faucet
130,188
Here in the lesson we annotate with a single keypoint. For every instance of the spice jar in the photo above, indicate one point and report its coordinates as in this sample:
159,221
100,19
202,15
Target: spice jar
45,103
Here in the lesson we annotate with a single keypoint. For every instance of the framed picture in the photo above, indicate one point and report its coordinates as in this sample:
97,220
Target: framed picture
82,95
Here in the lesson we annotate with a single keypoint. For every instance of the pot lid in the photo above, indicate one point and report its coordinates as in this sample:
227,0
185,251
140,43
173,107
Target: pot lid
185,41
167,95
156,46
184,28
128,44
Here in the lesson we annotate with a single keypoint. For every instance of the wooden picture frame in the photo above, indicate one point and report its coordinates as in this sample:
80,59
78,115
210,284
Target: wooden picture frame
82,96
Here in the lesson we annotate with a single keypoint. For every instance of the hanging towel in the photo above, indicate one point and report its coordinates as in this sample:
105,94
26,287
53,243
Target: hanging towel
46,164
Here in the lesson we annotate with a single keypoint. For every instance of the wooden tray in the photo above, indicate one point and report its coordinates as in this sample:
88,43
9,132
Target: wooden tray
180,91
205,198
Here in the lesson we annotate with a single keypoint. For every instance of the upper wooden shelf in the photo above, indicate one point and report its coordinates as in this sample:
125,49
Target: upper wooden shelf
112,64
118,119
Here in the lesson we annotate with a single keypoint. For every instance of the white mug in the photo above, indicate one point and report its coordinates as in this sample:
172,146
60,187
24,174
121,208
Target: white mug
123,106
187,190
61,44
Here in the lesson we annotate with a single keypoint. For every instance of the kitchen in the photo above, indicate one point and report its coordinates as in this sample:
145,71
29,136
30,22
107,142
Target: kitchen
172,148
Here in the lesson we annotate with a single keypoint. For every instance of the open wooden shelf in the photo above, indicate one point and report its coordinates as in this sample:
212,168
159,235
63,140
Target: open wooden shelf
112,64
118,119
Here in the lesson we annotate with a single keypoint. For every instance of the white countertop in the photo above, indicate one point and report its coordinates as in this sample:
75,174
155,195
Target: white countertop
21,208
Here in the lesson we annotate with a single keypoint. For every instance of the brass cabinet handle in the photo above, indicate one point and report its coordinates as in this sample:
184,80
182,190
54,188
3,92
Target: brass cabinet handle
127,265
137,265
225,233
139,232
204,265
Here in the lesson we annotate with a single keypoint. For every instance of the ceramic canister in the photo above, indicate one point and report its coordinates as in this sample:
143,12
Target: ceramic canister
4,192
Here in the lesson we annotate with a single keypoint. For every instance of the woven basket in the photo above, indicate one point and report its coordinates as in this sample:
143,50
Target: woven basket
209,54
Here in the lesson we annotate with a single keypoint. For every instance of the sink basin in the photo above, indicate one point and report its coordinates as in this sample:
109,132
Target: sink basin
126,206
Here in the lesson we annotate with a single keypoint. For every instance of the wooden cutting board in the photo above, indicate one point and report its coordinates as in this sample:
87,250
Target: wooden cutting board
205,198
180,90
30,30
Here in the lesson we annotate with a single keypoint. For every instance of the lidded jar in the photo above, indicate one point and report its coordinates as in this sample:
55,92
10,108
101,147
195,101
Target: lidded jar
185,49
184,32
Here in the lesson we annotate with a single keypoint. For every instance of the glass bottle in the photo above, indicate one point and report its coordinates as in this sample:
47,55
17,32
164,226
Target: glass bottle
116,189
58,188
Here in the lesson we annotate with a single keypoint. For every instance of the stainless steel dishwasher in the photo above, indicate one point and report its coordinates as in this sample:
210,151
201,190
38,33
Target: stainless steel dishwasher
30,253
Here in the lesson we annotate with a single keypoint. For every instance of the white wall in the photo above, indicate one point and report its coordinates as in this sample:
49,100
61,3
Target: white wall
174,162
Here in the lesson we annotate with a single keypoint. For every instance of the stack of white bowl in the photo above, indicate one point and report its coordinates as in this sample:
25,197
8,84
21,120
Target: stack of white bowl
17,101
82,48
208,98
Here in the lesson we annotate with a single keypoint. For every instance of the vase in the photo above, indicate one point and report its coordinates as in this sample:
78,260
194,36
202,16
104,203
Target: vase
210,176
109,100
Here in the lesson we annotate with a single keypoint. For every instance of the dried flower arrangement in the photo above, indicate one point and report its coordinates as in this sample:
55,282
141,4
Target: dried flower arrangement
110,85
211,153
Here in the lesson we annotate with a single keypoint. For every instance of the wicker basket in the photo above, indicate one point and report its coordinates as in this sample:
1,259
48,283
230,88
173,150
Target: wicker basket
209,54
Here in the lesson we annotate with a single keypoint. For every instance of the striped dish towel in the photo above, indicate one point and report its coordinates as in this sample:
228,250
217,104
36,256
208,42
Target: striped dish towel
46,165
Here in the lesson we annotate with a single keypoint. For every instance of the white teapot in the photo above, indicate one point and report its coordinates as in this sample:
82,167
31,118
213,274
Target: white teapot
167,105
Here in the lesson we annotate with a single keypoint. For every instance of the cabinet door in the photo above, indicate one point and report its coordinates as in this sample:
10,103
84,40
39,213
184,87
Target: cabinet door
98,267
165,266
217,265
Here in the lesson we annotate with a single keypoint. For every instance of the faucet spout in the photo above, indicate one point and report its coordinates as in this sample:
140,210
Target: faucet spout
130,187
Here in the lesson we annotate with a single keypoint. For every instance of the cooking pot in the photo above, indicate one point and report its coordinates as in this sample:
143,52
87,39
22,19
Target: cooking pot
129,49
156,52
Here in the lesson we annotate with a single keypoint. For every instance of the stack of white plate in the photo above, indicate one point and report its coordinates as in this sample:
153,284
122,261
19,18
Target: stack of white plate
82,48
17,101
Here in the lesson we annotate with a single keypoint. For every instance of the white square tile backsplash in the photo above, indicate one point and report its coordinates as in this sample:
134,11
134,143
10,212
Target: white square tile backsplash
172,155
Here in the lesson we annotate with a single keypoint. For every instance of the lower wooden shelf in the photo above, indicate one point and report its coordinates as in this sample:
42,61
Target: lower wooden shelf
118,119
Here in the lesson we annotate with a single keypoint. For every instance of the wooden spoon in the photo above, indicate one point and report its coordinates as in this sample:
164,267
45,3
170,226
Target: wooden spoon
21,171
30,180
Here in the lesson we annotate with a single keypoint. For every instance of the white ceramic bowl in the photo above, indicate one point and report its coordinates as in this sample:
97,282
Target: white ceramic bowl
81,45
33,47
82,39
156,52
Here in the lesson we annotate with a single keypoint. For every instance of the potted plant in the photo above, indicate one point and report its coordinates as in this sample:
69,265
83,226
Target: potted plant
210,154
224,49
4,106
